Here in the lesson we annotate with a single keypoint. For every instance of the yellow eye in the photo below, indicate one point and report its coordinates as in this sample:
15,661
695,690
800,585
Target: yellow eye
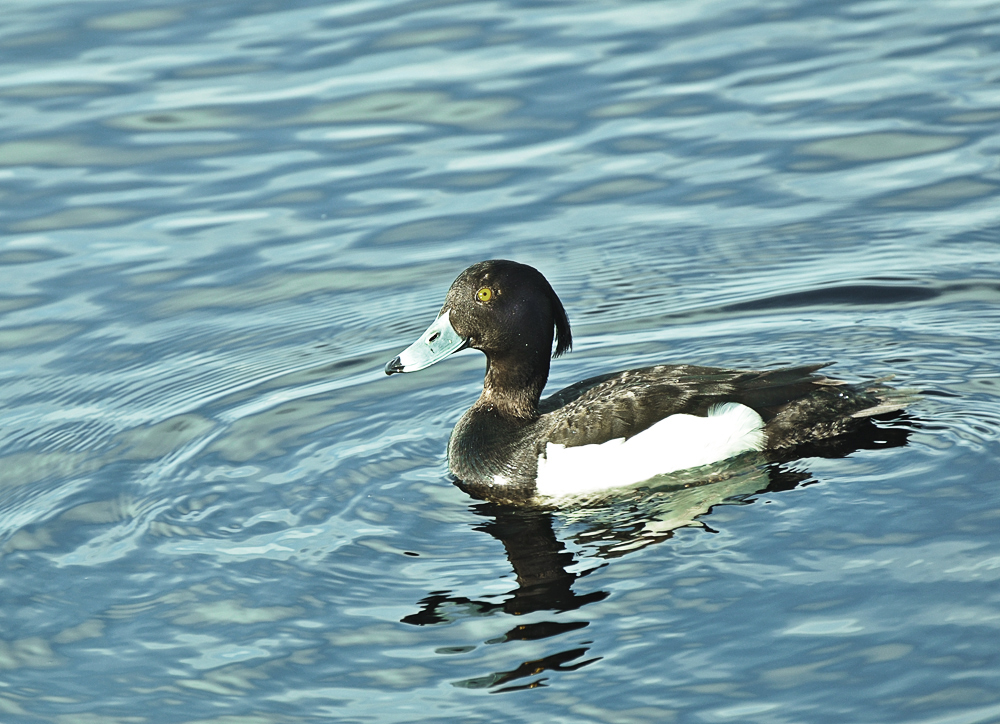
485,294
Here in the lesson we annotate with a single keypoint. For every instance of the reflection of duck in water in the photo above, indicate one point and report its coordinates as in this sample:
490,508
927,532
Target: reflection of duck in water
617,429
611,527
540,562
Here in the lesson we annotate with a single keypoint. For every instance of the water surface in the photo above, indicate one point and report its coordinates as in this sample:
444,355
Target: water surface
220,221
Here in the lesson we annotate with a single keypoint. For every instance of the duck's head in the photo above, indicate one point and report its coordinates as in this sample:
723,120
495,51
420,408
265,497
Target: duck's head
507,310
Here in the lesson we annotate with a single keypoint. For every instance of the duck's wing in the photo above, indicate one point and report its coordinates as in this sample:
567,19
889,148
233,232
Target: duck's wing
624,404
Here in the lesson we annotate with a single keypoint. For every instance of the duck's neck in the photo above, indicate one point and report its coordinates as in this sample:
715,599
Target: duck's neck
513,387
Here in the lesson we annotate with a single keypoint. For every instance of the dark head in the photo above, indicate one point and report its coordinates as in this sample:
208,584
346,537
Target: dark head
503,308
510,312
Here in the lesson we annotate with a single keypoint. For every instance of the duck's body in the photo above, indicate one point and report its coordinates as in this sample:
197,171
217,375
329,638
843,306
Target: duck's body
629,426
612,430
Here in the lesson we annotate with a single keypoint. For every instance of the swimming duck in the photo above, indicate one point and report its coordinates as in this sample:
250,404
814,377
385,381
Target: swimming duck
617,429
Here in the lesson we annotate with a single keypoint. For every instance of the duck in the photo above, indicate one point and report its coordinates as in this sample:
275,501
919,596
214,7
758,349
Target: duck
617,429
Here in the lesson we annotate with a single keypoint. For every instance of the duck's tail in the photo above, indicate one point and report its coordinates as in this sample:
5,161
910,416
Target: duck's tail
889,399
834,408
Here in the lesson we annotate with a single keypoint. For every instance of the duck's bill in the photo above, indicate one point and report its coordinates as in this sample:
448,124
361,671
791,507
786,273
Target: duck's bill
439,341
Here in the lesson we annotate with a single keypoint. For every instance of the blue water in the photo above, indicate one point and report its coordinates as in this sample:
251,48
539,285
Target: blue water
220,220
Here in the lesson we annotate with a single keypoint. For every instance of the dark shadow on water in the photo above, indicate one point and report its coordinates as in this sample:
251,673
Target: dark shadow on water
562,661
611,527
539,561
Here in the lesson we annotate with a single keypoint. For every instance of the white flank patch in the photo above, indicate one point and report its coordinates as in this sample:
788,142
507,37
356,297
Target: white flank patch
674,443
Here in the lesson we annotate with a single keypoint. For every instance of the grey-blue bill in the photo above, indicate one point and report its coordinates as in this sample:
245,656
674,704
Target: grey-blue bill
439,341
